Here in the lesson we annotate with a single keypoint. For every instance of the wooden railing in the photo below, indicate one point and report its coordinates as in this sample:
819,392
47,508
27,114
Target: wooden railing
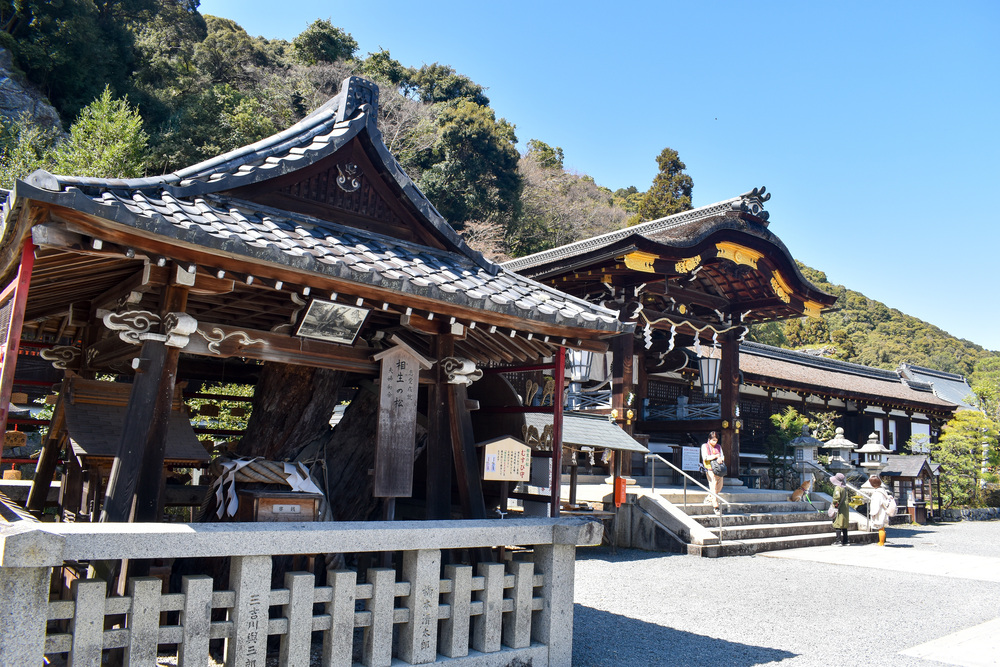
670,412
588,400
519,612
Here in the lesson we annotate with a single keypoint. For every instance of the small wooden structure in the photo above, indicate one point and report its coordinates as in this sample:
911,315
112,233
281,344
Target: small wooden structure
912,482
296,263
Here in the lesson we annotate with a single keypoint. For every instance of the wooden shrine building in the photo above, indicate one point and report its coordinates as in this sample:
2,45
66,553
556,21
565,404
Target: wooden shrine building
304,263
692,282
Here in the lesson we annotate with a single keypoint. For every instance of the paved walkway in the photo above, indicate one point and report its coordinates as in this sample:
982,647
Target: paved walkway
979,645
928,598
900,559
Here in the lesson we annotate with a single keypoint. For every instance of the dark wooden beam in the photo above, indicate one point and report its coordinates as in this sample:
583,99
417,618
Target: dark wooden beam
439,455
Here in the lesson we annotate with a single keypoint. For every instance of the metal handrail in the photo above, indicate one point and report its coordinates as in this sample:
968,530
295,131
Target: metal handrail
652,485
653,457
846,483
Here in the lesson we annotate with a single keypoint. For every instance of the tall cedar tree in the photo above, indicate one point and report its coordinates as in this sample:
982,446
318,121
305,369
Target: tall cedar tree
671,189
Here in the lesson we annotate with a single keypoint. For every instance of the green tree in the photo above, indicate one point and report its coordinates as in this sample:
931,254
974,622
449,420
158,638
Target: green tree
382,67
546,156
768,333
72,48
107,140
228,54
470,173
671,189
24,147
785,427
986,385
441,83
960,453
323,42
628,199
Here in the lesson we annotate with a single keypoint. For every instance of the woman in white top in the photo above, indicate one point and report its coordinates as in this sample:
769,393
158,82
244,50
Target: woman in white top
712,451
880,508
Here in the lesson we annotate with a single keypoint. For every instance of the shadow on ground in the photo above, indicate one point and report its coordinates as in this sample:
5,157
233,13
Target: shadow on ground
602,639
621,555
909,531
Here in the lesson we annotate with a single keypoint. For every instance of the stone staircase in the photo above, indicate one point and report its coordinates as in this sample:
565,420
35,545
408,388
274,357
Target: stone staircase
754,521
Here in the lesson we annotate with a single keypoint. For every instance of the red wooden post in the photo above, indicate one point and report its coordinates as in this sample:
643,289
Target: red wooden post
18,292
557,424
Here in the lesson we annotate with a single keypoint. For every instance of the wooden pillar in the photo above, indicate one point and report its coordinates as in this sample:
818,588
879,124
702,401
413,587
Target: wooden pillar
439,451
729,389
463,448
557,432
137,472
621,385
17,294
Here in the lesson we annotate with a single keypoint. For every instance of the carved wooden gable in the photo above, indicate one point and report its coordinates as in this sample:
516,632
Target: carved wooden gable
346,188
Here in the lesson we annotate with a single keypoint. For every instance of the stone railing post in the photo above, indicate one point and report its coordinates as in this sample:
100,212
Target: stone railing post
418,638
27,555
553,624
250,578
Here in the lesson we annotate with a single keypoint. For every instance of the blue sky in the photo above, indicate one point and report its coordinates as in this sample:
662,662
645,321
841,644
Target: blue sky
874,124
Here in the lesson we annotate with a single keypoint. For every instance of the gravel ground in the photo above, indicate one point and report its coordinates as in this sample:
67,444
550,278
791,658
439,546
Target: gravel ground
640,608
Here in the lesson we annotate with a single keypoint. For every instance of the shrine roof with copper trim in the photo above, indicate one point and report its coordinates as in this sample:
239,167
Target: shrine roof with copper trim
680,229
743,216
190,207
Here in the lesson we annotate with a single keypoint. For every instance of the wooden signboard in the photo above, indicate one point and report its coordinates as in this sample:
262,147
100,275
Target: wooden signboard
397,420
507,460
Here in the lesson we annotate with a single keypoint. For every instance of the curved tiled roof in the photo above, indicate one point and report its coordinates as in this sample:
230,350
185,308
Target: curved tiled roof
190,207
948,386
831,375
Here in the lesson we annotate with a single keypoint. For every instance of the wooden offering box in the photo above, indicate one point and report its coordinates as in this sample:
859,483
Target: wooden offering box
266,505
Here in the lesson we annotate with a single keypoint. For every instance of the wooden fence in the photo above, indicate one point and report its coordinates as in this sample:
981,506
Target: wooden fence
519,612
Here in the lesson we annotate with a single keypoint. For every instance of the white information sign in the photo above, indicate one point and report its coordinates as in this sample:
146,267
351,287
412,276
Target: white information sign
507,460
690,458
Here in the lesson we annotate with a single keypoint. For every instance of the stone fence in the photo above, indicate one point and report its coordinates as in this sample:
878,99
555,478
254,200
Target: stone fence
971,514
520,612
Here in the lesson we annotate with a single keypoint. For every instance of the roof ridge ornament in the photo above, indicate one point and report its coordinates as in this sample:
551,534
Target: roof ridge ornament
354,93
753,203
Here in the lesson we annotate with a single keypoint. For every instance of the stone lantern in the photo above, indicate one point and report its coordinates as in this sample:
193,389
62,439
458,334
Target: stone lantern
805,454
871,458
839,449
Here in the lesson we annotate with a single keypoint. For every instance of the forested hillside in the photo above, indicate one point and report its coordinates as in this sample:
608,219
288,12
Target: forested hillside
149,86
866,331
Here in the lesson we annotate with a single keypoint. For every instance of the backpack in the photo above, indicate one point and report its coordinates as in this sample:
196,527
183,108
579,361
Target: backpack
891,507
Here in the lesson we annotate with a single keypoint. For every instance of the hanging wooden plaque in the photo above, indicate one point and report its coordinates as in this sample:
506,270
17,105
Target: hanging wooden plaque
507,460
397,420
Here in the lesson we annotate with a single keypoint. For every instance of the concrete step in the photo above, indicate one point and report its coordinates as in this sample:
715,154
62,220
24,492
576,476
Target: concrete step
759,531
699,509
756,519
744,496
748,547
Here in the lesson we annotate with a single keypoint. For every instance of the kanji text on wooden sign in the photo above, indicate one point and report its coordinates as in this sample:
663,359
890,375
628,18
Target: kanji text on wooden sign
397,420
507,460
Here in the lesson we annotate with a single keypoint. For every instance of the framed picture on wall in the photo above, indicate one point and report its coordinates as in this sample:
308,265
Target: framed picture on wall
332,322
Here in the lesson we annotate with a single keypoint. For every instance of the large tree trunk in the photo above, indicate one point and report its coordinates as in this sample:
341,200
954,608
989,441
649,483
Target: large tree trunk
292,406
350,459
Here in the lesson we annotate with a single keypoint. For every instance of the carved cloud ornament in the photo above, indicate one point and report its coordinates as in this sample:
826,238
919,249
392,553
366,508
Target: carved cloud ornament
61,355
460,371
136,326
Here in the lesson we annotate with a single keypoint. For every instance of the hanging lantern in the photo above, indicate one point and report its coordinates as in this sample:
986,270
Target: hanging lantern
708,368
578,362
